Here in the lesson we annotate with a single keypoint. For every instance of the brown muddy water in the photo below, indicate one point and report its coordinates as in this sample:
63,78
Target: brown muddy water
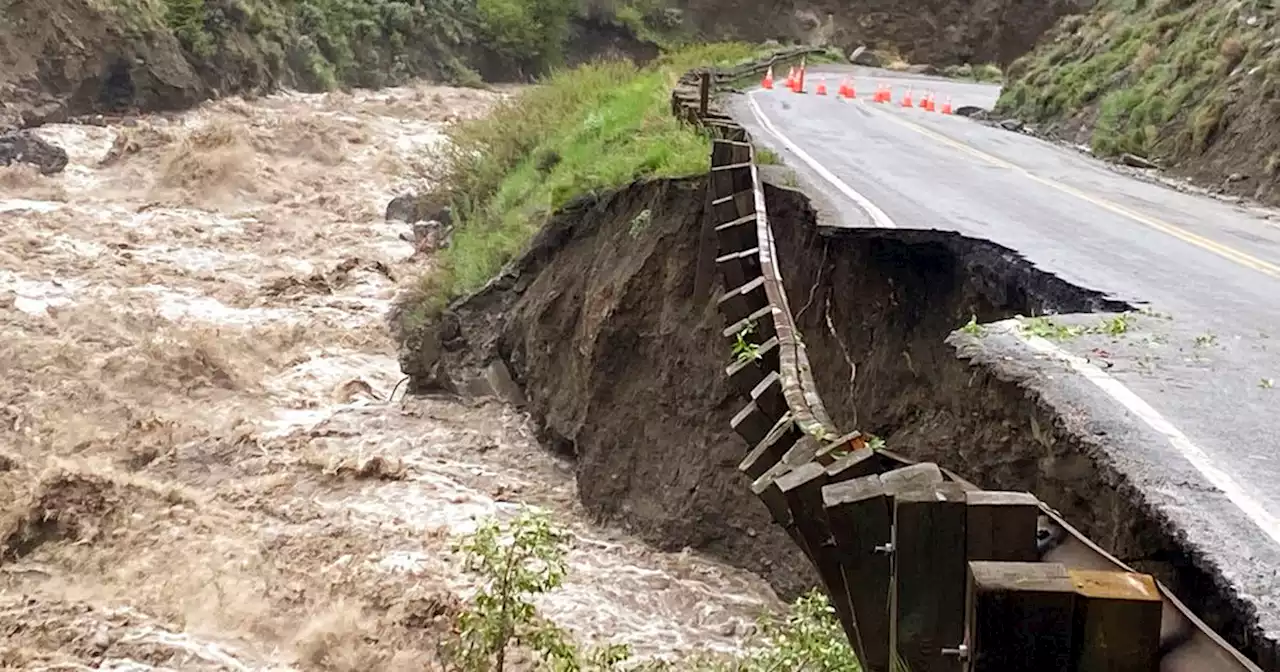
199,465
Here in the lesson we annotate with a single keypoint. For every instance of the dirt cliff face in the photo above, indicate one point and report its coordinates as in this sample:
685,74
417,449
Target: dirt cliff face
940,33
1191,84
620,359
622,362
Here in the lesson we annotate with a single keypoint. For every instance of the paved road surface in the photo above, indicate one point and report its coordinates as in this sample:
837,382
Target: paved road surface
1194,388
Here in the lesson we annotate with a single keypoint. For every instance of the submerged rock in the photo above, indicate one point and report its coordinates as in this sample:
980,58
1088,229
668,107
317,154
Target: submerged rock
26,147
411,208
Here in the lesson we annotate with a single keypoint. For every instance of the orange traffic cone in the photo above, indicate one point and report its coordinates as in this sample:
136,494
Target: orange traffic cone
946,107
846,89
822,86
768,78
928,102
906,98
790,82
882,94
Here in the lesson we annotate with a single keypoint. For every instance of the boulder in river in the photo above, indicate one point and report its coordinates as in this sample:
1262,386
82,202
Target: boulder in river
410,208
27,147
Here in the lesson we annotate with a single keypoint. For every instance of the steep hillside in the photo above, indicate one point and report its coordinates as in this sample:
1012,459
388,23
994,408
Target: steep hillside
1191,84
950,32
68,57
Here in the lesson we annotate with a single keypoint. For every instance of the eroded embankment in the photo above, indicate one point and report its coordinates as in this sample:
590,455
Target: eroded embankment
609,326
889,303
618,349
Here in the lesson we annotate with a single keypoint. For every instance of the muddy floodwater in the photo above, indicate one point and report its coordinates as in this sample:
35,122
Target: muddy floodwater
200,465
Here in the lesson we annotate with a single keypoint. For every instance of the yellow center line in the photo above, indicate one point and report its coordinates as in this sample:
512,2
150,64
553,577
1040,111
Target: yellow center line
1178,232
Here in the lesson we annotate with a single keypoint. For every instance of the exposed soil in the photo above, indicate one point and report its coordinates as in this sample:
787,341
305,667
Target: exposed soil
622,364
203,463
621,358
888,303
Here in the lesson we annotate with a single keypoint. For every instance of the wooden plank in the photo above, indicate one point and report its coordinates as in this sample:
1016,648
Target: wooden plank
858,464
766,488
731,179
761,320
802,488
1117,621
858,516
745,374
1001,526
752,424
729,207
737,235
929,575
836,448
738,267
704,93
740,302
769,451
769,397
725,152
913,477
1019,616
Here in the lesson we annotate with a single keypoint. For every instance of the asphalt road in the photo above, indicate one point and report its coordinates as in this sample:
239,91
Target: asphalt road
1198,392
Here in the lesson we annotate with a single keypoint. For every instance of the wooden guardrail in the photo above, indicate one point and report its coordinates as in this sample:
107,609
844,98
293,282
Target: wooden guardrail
926,571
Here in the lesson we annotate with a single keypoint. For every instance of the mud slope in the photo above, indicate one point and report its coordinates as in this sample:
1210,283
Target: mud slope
618,351
622,363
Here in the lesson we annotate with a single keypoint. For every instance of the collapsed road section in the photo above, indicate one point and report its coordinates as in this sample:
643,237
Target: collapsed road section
607,329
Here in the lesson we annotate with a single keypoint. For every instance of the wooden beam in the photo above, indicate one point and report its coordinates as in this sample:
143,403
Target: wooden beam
1019,616
929,575
704,93
802,489
914,477
1002,526
1117,621
858,515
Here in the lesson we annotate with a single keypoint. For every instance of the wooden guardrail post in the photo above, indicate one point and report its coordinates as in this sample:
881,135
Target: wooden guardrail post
1019,616
1001,526
704,93
858,512
802,490
1117,621
1041,616
929,576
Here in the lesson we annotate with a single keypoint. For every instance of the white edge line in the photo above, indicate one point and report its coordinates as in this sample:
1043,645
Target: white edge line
878,216
1251,507
1131,401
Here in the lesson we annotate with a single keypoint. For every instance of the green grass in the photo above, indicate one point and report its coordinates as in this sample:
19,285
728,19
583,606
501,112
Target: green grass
579,132
1159,74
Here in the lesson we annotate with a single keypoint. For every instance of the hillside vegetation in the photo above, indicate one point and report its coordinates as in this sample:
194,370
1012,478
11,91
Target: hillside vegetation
582,131
61,57
1192,84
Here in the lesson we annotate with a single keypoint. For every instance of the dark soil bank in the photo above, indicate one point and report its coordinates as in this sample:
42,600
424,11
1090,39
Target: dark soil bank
888,303
622,363
619,352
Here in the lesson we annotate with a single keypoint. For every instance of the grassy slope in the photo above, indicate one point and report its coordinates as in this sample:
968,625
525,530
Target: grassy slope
581,131
1189,82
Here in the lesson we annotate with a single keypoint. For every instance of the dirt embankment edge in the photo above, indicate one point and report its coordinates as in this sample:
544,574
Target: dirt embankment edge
608,330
